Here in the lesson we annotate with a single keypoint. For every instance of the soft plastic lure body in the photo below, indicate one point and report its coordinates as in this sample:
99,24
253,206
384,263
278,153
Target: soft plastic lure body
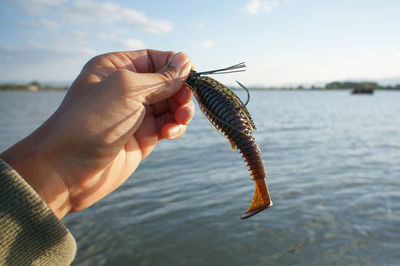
227,113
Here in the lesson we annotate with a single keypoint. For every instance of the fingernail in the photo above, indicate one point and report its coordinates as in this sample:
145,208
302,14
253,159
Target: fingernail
179,60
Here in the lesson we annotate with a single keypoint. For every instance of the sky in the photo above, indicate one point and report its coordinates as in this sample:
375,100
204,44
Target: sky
282,41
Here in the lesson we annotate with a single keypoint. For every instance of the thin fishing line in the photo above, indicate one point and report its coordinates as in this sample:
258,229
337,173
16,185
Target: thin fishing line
163,35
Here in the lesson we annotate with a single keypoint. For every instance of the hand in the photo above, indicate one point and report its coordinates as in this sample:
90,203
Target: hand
112,117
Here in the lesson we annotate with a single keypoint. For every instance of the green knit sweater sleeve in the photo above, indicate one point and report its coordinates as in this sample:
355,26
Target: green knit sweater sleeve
30,234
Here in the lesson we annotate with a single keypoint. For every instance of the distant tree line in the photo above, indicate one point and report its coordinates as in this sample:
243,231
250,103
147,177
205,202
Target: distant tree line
358,85
33,86
337,85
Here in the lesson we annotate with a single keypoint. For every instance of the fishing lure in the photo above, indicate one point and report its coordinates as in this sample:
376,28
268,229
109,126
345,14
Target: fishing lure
229,115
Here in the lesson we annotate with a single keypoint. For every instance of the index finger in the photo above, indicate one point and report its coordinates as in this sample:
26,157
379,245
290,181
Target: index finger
141,61
149,61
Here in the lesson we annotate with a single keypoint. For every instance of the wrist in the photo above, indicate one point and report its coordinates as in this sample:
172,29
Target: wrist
31,159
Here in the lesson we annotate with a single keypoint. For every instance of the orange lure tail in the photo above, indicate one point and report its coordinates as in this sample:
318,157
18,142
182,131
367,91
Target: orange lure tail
261,199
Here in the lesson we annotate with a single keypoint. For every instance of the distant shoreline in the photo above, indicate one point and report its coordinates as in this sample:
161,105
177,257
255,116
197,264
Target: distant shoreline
336,85
311,89
36,86
33,86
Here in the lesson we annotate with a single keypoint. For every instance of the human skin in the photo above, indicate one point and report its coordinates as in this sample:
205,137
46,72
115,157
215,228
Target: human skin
116,111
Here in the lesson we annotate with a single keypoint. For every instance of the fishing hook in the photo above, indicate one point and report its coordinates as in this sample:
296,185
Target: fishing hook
231,69
248,95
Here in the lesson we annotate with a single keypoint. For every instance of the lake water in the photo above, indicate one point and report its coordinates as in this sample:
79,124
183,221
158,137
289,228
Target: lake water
333,164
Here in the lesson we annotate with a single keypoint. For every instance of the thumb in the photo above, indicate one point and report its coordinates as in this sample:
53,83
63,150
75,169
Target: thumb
155,87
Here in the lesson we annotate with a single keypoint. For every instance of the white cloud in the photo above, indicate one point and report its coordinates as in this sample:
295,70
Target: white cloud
37,7
59,36
254,7
80,12
48,24
141,21
200,25
55,49
39,61
43,23
85,35
132,44
39,2
88,11
207,43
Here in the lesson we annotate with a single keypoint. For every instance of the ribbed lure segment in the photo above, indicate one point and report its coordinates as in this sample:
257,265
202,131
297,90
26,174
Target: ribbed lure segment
227,114
252,155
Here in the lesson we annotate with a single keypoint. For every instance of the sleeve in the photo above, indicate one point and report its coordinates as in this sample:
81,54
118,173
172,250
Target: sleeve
30,234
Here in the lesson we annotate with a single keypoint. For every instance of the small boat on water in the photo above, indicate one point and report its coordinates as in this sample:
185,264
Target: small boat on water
362,91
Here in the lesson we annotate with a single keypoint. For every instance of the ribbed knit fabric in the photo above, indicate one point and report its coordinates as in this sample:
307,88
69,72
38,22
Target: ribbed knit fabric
30,234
